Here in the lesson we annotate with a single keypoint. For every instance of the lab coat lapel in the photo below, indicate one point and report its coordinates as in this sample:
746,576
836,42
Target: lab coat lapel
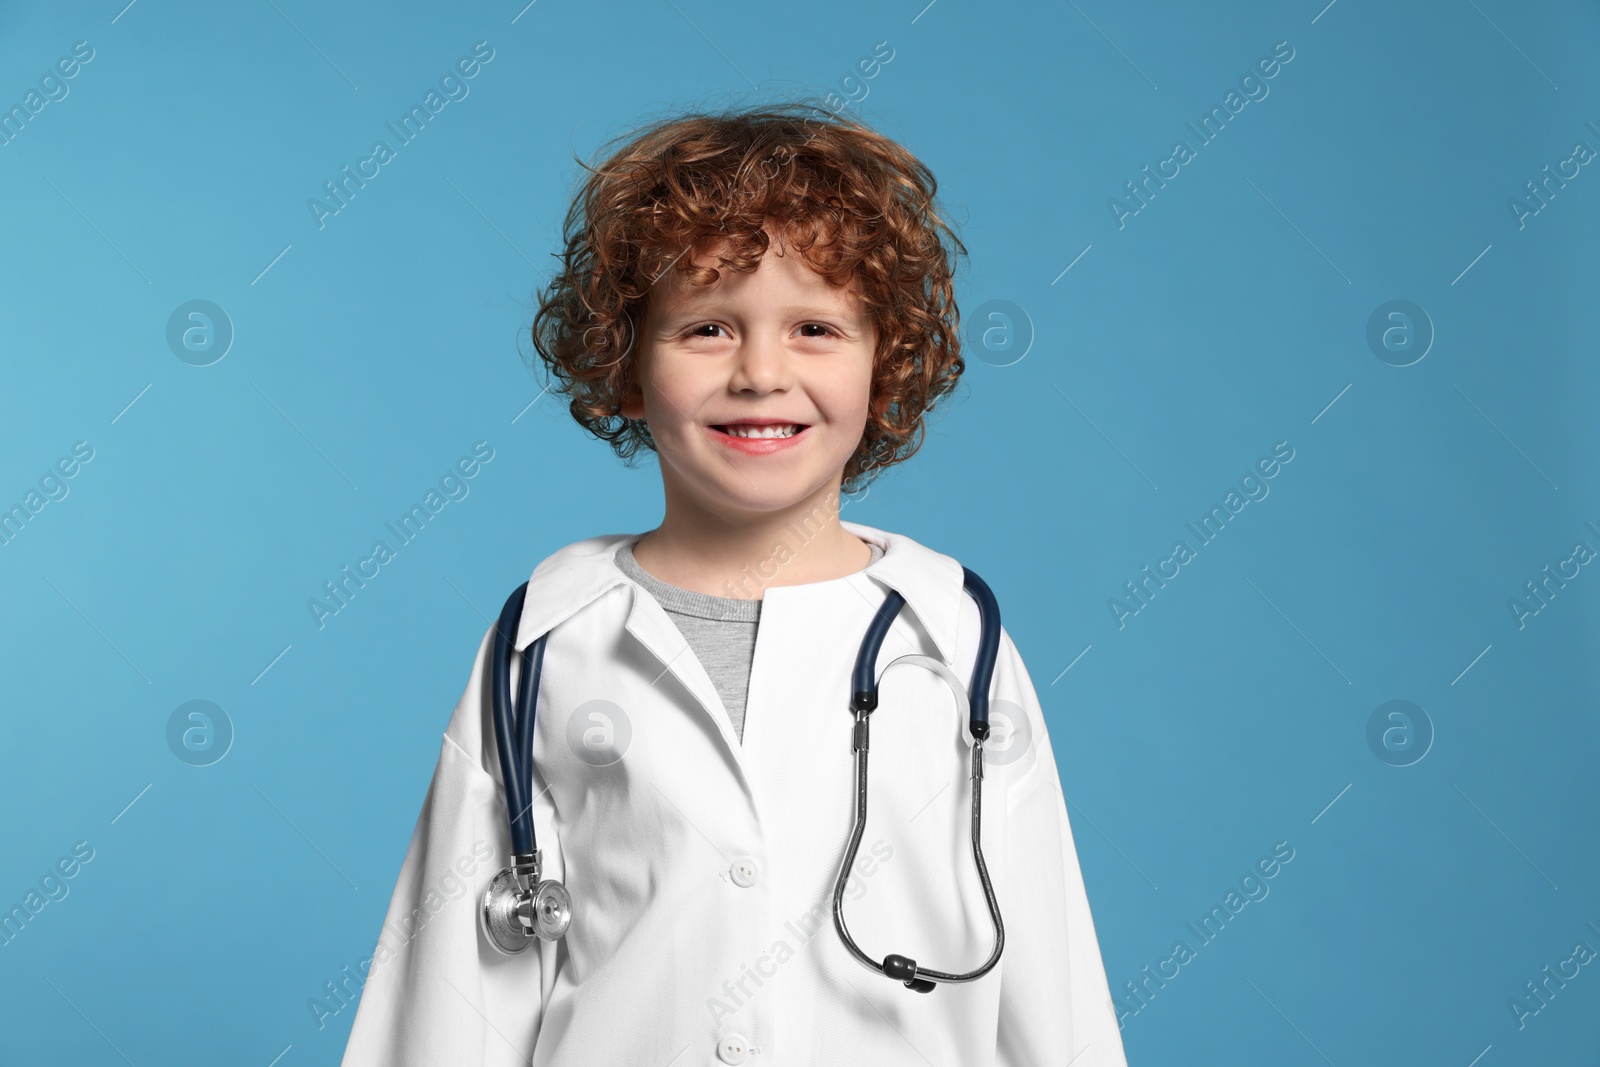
573,577
649,623
930,581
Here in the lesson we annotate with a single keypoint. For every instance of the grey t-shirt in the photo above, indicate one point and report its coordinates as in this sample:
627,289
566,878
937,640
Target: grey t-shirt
720,630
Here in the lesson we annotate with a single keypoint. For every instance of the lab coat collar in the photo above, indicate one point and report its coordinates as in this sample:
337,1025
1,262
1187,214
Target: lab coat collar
574,576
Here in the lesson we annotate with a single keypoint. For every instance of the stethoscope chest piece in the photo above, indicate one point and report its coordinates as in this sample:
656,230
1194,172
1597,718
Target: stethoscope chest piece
518,906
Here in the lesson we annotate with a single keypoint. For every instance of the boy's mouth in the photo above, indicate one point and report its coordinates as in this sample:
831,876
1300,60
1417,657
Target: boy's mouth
760,430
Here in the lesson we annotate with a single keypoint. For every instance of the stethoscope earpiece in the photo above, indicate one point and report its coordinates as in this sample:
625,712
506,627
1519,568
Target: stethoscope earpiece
903,969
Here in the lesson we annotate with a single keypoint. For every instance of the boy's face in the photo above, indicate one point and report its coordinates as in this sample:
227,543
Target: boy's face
778,346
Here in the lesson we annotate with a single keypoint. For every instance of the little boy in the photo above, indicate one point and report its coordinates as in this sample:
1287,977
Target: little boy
763,299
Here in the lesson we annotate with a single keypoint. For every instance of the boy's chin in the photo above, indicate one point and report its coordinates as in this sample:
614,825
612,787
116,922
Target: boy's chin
747,502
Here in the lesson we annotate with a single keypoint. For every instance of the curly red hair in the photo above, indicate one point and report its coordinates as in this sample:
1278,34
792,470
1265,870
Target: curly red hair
856,206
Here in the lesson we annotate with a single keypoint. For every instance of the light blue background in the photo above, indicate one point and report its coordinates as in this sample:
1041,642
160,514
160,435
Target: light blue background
1229,314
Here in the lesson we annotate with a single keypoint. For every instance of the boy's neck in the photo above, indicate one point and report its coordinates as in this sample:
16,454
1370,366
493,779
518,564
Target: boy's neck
708,553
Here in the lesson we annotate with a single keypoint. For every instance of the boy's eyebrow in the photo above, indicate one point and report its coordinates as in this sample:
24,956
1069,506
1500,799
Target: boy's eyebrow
692,307
833,311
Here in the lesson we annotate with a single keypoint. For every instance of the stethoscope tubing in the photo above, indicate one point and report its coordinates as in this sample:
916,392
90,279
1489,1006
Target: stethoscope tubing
514,721
864,700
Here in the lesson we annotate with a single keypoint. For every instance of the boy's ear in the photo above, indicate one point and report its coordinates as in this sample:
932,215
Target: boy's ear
632,406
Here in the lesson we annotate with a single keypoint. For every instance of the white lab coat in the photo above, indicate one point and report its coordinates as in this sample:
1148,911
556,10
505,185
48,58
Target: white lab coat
702,869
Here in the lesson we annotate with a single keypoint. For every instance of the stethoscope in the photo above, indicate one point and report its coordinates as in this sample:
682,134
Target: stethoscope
519,905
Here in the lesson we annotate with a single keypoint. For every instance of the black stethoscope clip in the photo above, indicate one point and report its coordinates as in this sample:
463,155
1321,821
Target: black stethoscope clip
904,970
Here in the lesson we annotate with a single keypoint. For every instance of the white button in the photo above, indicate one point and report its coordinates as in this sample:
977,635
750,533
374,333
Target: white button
744,871
733,1049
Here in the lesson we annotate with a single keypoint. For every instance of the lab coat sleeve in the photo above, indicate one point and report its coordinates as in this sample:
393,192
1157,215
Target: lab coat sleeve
1055,1004
436,993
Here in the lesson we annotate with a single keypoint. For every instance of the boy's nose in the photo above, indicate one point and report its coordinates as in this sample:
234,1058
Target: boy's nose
762,363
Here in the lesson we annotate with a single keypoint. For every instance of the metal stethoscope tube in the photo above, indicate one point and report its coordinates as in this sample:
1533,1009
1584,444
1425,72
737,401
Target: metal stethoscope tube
864,701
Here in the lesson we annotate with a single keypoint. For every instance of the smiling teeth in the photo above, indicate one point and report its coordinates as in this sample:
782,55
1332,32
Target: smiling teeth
761,431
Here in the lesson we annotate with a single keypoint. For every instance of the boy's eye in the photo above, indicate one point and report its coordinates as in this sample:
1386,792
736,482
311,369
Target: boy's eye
709,329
